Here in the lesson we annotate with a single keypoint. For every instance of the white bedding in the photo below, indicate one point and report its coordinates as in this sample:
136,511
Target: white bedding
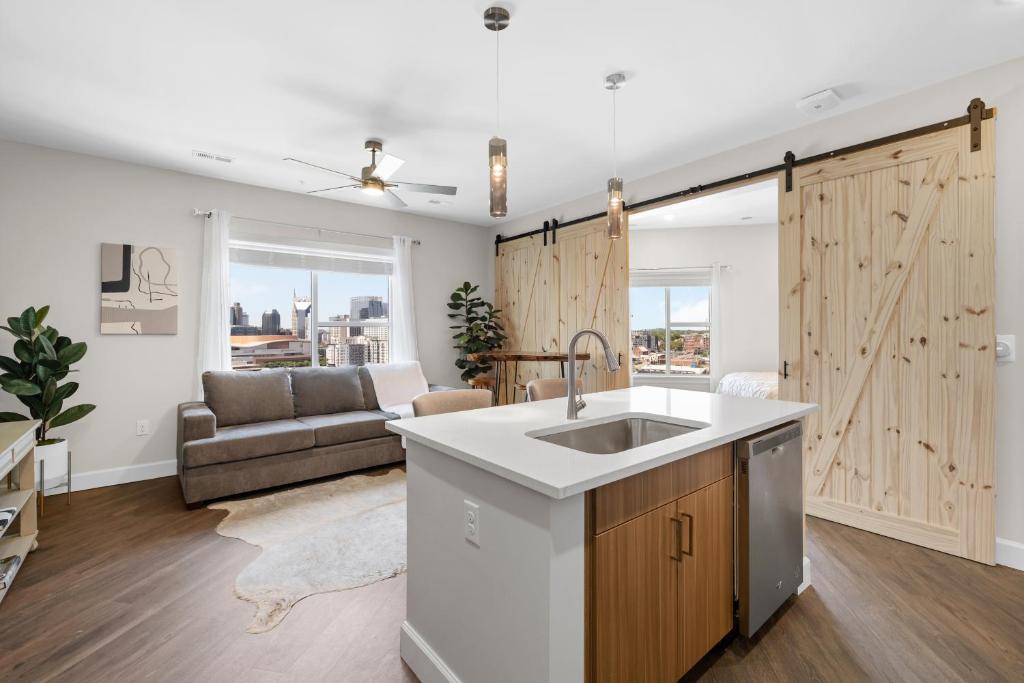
750,384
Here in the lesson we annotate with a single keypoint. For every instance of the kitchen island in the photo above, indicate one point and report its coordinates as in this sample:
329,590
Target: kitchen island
530,560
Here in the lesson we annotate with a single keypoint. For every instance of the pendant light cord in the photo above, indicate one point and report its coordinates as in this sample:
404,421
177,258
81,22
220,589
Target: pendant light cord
615,148
497,82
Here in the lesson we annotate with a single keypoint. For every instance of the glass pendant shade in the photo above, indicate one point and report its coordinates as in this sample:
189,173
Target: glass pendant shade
498,161
615,208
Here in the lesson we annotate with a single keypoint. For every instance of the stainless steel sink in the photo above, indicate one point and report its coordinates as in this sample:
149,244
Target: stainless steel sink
618,435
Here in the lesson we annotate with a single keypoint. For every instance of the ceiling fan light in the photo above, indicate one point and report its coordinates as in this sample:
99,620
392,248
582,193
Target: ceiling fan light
497,152
373,187
616,215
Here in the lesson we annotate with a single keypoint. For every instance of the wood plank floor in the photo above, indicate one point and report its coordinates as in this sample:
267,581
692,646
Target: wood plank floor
129,585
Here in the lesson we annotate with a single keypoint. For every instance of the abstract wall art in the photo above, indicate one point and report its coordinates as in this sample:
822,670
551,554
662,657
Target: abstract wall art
138,290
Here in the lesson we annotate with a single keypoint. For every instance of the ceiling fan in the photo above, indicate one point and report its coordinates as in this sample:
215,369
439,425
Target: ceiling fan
373,180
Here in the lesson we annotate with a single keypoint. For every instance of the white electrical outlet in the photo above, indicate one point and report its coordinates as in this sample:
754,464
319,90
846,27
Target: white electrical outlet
142,428
471,522
1006,348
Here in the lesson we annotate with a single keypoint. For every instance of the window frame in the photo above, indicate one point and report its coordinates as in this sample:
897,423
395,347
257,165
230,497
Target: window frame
314,322
329,324
667,283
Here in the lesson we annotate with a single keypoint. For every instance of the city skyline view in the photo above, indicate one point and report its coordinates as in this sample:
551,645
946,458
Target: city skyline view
259,289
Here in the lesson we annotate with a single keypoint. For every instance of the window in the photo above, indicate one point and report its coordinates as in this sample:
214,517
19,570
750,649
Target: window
678,313
299,306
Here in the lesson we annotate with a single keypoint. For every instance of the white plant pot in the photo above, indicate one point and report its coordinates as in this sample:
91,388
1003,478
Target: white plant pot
55,456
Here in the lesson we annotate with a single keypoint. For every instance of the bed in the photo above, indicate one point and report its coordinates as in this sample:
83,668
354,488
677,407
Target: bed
750,384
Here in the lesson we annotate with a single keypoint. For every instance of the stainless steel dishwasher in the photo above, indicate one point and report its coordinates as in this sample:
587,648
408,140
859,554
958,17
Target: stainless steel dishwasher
769,523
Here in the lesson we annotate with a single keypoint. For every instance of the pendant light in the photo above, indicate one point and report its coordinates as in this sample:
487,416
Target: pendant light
496,19
615,204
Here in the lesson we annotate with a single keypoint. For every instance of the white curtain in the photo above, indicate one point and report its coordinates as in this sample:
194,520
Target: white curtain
403,311
214,349
716,325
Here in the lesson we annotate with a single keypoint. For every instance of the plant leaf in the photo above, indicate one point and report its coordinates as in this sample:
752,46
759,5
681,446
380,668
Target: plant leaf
41,314
49,391
12,417
46,346
23,351
71,414
28,320
19,387
43,373
12,366
72,354
15,326
65,391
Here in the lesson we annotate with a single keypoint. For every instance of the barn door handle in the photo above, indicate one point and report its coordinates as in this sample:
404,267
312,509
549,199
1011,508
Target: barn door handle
785,369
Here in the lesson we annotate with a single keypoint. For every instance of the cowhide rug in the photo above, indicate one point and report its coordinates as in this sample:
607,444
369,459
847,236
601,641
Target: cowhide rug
325,537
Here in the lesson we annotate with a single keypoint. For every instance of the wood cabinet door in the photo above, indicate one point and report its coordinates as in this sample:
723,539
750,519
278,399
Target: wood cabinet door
705,596
887,321
636,597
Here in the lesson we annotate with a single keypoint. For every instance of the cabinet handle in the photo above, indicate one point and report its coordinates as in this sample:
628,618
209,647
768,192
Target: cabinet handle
689,535
677,539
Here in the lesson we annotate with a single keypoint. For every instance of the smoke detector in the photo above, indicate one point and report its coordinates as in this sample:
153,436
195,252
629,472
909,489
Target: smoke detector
818,102
210,156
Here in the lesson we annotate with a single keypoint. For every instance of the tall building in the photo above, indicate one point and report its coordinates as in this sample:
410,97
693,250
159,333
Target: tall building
367,308
301,307
238,316
271,322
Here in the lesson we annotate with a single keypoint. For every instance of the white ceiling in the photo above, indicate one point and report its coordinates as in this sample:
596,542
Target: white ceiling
258,81
751,205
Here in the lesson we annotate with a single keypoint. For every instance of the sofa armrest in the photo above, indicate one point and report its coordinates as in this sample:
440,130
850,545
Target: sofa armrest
196,421
439,387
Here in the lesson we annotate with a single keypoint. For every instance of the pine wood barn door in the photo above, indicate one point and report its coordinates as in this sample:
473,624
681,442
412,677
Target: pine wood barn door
548,292
887,282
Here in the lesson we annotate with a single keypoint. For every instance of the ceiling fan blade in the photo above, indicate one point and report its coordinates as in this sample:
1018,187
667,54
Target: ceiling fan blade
329,189
386,166
322,168
429,189
394,200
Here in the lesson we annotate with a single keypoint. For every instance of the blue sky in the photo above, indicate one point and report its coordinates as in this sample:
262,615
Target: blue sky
647,306
260,288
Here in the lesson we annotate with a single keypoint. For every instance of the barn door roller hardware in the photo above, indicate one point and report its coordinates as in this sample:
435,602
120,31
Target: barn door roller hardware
788,161
975,110
976,113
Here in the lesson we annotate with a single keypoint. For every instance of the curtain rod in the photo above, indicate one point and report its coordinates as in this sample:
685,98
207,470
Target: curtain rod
790,161
209,212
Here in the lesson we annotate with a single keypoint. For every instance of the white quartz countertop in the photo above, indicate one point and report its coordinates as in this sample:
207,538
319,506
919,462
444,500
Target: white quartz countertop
496,440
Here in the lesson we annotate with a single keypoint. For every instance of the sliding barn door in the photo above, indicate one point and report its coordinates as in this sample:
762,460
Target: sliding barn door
887,322
549,291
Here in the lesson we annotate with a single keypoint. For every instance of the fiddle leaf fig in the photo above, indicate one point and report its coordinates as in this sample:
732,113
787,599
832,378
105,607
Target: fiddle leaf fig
42,358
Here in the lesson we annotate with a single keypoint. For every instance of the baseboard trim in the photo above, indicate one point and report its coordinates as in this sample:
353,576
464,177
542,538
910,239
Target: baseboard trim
807,576
82,481
1010,553
422,659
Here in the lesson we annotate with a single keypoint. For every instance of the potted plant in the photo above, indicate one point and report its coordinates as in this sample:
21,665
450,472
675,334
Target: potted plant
478,328
42,359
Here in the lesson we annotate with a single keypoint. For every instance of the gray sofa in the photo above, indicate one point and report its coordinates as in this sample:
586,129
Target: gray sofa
270,427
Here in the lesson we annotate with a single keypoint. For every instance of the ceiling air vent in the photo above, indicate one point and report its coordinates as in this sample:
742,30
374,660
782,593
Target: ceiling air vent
209,156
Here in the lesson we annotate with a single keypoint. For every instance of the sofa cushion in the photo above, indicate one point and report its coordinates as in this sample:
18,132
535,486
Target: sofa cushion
244,442
369,393
323,391
244,397
339,428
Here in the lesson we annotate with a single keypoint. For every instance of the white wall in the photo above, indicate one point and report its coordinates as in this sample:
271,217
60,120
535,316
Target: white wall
749,296
57,207
1001,86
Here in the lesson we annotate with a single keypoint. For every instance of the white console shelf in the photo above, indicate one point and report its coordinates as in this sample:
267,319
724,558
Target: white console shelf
18,489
